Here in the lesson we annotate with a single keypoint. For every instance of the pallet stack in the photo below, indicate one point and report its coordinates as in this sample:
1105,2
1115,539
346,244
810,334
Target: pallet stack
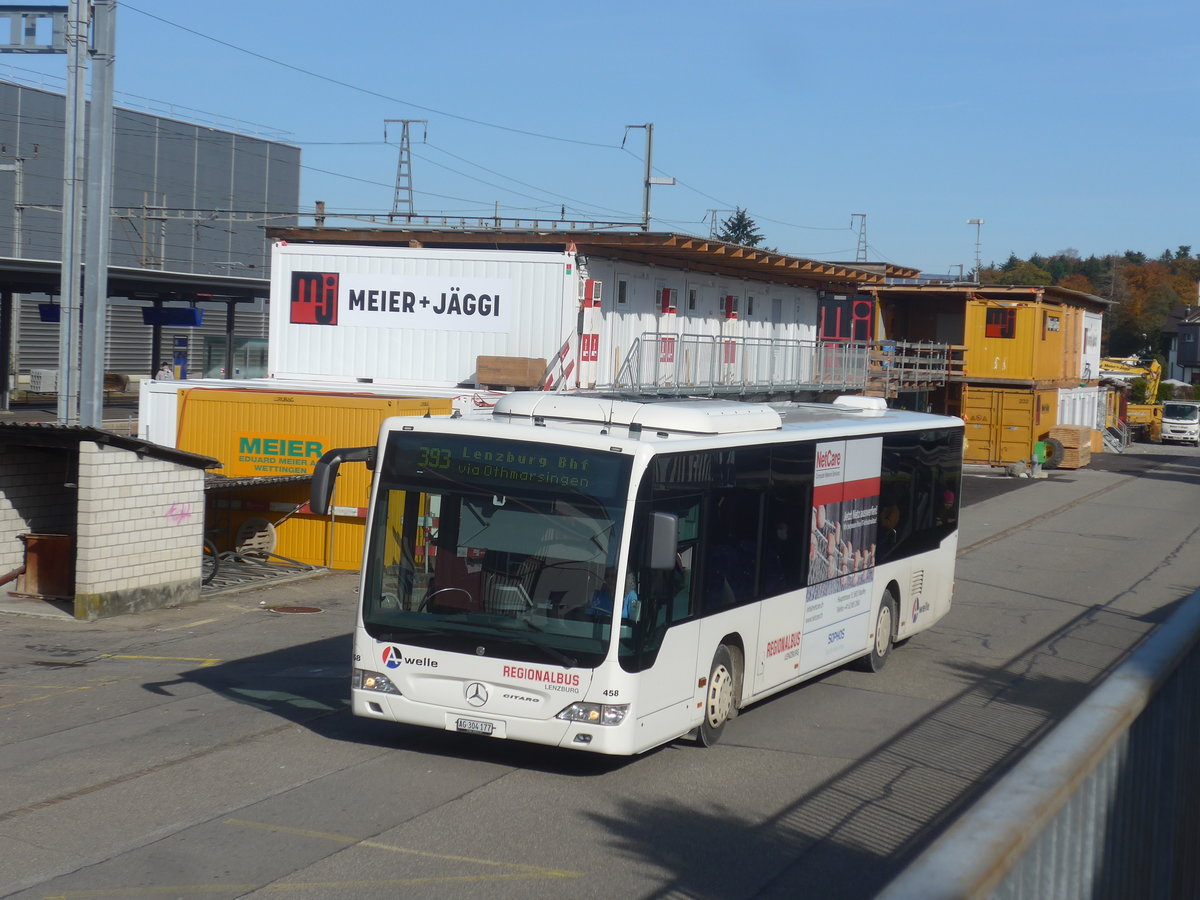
1077,445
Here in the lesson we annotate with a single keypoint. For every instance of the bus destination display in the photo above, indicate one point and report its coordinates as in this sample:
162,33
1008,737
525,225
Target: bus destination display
503,465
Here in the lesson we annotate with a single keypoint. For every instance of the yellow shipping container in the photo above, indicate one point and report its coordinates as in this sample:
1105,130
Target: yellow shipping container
1018,340
263,433
1002,424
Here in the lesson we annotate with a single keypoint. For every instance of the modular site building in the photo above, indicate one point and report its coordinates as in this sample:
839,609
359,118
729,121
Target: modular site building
1031,360
647,313
459,318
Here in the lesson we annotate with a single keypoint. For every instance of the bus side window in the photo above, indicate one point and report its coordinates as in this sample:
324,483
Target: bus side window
783,549
681,600
788,524
731,555
666,595
918,505
683,578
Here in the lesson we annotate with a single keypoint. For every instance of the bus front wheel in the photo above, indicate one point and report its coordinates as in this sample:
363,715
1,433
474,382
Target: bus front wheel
885,625
719,699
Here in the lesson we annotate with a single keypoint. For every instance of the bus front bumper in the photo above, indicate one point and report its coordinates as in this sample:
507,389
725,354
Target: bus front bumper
616,740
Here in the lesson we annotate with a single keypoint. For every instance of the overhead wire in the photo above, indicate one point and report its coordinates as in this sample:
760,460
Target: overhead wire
468,119
726,203
367,91
458,117
518,181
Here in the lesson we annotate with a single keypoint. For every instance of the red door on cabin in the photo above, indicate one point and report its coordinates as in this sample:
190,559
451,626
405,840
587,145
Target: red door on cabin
845,317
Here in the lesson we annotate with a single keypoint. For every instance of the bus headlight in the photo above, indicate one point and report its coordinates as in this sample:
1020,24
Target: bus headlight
372,681
595,713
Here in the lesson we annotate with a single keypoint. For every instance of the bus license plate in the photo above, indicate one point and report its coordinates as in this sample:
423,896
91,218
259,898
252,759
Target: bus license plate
474,726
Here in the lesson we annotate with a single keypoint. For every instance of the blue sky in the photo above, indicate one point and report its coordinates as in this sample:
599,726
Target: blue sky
1061,124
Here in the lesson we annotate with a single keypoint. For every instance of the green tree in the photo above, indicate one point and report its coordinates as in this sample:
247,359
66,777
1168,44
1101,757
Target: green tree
1024,273
739,228
1139,388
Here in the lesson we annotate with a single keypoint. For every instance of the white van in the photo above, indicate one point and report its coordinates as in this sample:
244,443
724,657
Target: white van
1181,422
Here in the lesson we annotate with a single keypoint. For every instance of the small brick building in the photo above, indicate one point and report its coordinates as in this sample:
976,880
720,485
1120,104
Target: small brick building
100,523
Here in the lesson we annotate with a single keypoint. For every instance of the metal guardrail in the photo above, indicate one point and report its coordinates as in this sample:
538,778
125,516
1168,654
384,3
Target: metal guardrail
1106,806
660,363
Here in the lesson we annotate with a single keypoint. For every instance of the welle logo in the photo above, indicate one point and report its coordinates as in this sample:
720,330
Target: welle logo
314,298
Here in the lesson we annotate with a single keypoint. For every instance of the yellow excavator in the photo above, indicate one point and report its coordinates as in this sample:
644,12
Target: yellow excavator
1144,419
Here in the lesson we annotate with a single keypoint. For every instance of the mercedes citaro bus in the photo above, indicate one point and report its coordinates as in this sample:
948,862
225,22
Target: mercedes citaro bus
609,575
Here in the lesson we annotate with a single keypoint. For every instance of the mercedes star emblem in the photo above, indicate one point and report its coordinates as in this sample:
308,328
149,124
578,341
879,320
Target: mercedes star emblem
476,694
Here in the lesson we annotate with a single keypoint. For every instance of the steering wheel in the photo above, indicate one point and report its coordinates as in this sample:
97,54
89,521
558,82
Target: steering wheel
424,605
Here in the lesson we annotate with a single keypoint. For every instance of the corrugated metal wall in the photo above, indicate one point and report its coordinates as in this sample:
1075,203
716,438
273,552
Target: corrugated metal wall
174,187
190,170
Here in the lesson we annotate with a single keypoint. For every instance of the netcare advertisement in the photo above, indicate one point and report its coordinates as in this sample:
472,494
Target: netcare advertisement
841,551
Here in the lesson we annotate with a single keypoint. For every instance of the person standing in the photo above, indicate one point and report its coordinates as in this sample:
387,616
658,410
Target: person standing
164,373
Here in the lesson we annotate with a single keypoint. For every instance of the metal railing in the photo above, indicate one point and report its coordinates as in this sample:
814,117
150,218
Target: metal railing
1117,436
896,365
1106,806
661,363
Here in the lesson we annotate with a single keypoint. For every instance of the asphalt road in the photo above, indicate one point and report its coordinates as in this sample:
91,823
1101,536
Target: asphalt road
206,751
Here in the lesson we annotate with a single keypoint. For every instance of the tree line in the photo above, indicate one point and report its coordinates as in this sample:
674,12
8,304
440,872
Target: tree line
1145,291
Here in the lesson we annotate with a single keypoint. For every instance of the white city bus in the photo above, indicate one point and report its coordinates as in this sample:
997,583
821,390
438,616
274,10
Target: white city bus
610,575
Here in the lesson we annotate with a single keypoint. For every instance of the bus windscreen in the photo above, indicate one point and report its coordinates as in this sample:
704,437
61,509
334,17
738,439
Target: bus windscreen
502,545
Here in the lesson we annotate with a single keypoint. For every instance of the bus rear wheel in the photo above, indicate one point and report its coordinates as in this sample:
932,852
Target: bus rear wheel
719,698
885,626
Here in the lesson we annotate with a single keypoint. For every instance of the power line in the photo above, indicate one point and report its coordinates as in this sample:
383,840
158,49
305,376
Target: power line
534,187
366,91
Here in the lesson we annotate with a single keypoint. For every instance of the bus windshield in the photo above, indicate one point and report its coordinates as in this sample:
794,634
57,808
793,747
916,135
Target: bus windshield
496,545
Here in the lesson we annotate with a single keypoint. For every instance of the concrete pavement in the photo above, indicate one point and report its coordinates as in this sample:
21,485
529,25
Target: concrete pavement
206,749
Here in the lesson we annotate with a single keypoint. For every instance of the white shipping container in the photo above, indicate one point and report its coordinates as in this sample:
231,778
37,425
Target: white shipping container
1077,406
414,316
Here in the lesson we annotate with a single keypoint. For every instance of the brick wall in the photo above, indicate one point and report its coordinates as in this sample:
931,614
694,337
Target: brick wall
34,498
140,531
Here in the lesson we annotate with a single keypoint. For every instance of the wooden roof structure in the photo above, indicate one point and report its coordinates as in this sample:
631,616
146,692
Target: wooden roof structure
972,291
677,251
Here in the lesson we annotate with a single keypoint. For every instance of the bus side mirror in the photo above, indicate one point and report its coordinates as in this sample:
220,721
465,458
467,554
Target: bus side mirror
664,540
326,470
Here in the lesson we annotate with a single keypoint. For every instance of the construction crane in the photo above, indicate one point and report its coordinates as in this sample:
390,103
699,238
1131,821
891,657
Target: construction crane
1144,419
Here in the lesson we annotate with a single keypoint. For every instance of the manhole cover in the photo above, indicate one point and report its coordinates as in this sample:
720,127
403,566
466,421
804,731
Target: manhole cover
293,609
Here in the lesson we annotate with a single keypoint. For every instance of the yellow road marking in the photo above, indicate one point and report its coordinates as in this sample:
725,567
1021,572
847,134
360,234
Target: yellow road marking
279,887
153,891
346,839
55,691
523,871
204,661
